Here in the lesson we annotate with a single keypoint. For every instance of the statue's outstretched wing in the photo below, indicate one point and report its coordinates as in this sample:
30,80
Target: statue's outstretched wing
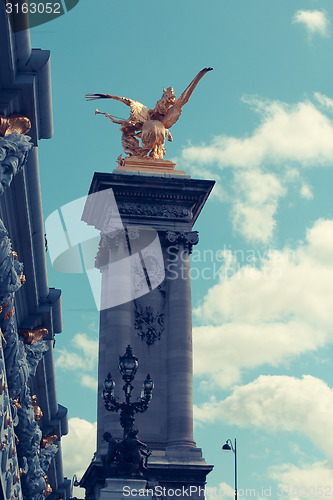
175,111
139,112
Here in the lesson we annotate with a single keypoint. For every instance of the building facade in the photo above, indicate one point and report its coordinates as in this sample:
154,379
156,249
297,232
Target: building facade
31,420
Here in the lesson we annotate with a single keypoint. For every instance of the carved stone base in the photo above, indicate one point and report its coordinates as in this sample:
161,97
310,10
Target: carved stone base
118,489
182,479
148,165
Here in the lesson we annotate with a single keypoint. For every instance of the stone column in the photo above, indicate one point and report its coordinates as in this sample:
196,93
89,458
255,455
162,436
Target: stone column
158,324
180,367
116,323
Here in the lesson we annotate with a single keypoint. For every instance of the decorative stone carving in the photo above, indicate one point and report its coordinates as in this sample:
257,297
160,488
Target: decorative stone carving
37,410
48,489
151,210
149,323
187,239
47,455
14,149
9,468
34,354
111,240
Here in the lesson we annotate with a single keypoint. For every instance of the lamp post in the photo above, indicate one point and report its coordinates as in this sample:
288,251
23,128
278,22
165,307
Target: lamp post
229,447
128,365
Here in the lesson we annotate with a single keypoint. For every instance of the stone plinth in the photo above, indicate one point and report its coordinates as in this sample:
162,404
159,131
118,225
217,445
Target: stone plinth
148,166
120,489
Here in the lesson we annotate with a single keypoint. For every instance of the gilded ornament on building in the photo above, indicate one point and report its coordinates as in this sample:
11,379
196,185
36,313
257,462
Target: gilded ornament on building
9,314
3,387
8,421
149,320
37,410
32,336
48,489
14,123
16,403
150,125
12,450
47,440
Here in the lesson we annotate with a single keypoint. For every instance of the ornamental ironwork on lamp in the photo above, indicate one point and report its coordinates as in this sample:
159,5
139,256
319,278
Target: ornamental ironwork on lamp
128,365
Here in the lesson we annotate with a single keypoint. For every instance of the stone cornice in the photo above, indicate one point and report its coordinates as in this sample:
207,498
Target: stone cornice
151,199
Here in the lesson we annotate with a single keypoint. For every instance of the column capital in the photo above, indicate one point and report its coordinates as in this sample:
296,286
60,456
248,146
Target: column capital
185,238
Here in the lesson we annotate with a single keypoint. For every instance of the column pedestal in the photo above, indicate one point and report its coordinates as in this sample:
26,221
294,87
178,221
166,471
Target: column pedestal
120,489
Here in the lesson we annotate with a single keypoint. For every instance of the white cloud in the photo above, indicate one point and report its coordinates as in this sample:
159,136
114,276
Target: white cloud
325,101
78,447
268,314
288,136
287,133
314,481
89,381
306,192
314,21
256,200
89,347
223,490
278,403
81,359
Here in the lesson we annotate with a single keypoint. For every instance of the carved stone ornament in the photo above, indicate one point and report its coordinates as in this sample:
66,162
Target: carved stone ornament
149,322
15,368
149,210
187,239
14,149
111,240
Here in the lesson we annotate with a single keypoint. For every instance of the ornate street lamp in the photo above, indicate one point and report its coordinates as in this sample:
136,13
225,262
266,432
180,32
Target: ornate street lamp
128,365
229,447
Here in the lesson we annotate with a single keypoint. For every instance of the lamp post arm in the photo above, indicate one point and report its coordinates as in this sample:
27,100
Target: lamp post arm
142,405
235,451
111,404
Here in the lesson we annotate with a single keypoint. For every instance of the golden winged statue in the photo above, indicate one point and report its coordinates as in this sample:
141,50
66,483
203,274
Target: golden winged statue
150,125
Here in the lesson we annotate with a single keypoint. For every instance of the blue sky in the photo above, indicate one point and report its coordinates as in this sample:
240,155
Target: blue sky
261,125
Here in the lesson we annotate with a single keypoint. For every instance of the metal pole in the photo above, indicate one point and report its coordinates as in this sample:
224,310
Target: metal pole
235,470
